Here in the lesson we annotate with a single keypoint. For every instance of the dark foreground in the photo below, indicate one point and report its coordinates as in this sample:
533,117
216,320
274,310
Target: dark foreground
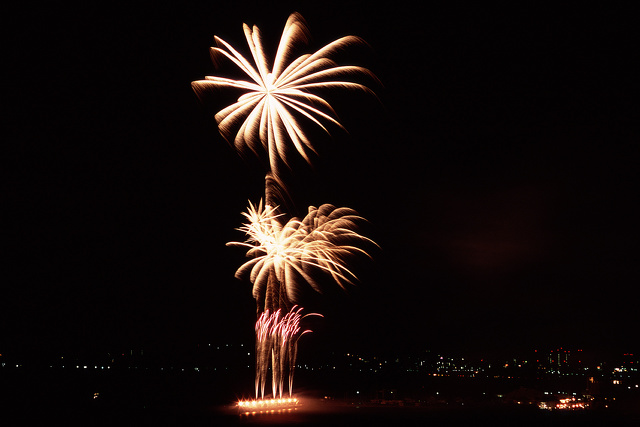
319,414
42,398
353,415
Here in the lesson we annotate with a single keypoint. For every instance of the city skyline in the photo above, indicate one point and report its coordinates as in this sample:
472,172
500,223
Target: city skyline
239,356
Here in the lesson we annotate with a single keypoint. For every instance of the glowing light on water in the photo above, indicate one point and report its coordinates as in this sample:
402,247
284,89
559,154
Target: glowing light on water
268,406
322,240
267,402
268,114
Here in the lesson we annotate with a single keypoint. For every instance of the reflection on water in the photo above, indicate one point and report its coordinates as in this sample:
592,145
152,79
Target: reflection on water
310,413
128,400
318,412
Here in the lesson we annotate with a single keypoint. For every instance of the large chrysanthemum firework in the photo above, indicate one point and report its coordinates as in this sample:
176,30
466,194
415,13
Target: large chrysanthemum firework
321,241
269,113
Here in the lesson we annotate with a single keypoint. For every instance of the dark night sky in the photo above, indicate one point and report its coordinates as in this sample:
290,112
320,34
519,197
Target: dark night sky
498,173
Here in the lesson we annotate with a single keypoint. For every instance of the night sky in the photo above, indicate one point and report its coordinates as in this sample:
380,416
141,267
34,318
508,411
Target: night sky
497,170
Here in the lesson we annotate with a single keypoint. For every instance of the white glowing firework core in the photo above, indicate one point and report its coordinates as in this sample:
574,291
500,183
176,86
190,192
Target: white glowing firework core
268,114
322,240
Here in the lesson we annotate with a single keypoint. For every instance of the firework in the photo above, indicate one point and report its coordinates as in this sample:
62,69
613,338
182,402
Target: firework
267,116
277,338
321,241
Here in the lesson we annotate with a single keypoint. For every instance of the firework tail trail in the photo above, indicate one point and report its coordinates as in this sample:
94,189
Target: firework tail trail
283,333
277,342
275,355
262,351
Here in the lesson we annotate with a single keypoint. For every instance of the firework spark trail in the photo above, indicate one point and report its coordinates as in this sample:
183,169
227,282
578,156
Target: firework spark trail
322,241
275,354
268,114
293,337
277,338
263,326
